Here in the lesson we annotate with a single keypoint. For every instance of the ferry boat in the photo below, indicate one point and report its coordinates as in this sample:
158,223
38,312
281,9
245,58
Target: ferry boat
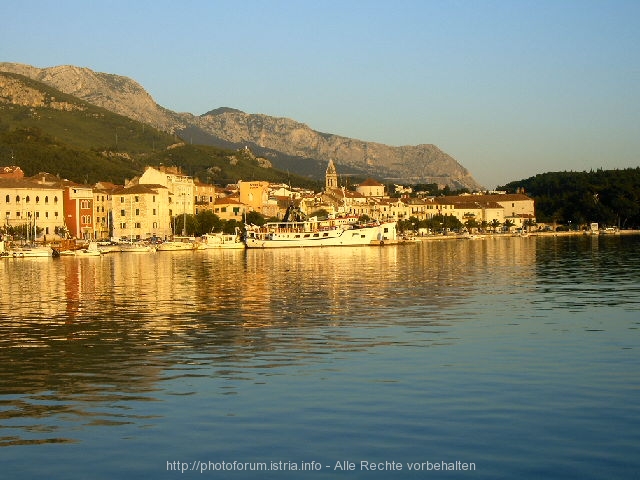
319,233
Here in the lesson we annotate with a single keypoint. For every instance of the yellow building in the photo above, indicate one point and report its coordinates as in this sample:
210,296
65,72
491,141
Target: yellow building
254,195
140,212
229,208
33,205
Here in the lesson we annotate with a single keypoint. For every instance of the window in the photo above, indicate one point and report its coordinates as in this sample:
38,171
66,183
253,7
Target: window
122,213
17,198
46,199
154,211
84,204
55,199
123,226
137,199
27,199
37,199
137,225
121,199
137,211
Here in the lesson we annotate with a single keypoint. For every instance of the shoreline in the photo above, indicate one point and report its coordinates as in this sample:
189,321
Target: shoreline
485,236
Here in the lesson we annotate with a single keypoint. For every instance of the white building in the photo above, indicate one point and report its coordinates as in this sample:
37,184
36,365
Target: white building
181,188
29,204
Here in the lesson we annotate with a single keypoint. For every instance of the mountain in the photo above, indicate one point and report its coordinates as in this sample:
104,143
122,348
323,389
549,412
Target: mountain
288,145
45,130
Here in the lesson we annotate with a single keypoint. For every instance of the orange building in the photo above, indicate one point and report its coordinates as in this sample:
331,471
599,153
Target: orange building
78,210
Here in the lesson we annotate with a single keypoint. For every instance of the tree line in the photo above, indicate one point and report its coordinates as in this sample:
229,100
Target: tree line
609,197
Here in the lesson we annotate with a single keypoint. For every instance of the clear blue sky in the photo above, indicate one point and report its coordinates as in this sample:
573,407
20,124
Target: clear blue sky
508,88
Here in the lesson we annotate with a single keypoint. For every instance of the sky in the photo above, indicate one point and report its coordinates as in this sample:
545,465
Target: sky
509,88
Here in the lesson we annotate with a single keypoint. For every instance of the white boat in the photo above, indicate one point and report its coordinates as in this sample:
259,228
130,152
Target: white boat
474,236
221,240
137,248
316,233
109,247
172,246
92,250
28,252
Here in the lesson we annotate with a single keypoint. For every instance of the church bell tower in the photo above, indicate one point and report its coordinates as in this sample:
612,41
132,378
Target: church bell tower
331,177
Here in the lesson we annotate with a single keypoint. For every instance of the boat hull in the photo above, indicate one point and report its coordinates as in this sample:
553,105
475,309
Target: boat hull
175,246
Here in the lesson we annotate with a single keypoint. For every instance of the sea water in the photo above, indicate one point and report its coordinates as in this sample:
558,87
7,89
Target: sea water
496,358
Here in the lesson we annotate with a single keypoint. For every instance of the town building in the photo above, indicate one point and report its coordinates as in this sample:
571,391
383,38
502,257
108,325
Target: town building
230,208
371,188
28,205
141,212
78,211
181,188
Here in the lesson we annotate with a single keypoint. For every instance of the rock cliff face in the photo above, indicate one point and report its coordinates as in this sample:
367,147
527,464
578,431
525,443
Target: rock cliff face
15,92
406,164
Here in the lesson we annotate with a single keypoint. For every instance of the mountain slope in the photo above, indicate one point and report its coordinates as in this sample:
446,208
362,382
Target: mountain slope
45,130
288,144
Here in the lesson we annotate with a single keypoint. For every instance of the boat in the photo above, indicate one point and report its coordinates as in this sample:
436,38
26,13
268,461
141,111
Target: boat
319,233
474,236
221,240
92,250
27,251
137,247
175,245
109,247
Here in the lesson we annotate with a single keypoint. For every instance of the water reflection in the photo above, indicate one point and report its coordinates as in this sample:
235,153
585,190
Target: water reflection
85,341
582,272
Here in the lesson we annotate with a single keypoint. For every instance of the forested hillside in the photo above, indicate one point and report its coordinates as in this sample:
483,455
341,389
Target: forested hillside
45,130
609,197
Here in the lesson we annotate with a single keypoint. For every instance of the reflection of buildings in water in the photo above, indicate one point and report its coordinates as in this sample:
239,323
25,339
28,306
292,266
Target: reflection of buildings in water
360,284
287,285
30,289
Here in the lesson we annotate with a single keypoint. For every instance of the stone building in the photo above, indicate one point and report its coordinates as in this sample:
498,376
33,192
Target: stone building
141,212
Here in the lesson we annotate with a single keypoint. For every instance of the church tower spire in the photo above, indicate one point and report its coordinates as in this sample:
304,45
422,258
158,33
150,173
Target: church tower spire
331,177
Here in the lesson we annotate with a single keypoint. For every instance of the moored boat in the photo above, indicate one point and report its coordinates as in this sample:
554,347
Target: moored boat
221,241
27,251
317,233
174,245
137,247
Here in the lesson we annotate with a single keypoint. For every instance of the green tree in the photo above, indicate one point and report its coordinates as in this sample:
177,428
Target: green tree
255,218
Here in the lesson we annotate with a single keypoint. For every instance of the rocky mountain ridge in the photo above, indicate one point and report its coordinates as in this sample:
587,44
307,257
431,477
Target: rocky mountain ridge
271,136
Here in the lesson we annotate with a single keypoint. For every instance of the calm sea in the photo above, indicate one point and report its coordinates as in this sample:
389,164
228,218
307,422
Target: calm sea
510,358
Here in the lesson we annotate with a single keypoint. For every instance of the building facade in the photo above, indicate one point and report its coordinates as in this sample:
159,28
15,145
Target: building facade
78,211
141,212
32,207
